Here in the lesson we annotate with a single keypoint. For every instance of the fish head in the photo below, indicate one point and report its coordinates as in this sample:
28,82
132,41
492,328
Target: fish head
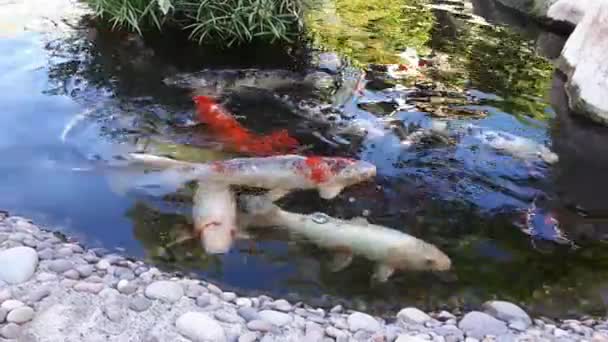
423,257
217,237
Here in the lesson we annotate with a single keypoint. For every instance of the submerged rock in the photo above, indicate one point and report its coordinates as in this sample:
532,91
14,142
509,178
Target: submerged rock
583,60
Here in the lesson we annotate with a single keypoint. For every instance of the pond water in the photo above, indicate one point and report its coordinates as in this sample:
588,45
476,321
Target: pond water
466,198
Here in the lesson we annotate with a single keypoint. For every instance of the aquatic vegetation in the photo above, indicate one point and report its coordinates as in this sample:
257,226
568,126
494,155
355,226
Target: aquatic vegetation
369,32
228,22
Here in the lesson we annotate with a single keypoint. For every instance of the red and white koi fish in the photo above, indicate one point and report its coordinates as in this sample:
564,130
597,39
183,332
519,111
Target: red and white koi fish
232,133
391,249
329,176
214,216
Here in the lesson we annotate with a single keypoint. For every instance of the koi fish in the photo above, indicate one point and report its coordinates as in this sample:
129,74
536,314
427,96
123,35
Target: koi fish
391,249
233,133
329,176
214,216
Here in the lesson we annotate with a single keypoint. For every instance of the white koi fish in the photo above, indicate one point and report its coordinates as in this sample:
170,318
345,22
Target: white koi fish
214,215
392,250
288,172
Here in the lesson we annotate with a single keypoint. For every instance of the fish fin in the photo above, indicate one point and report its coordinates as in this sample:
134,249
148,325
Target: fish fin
340,260
362,221
382,272
330,191
276,194
156,161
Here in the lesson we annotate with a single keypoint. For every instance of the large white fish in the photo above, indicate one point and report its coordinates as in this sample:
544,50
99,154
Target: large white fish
288,172
392,250
214,216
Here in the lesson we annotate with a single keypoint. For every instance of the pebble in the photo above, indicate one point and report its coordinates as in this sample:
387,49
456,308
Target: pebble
10,331
313,332
85,270
413,316
227,317
275,317
361,321
5,294
46,254
336,309
20,315
249,314
125,287
229,296
282,305
103,264
164,290
195,290
139,304
508,312
244,302
46,276
124,273
38,294
477,324
3,313
89,287
203,300
71,274
249,336
11,304
259,325
17,264
114,311
214,289
338,334
64,252
199,327
91,258
60,265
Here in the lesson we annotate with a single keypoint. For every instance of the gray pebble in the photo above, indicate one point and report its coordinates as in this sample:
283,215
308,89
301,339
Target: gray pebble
195,291
250,336
139,304
124,273
10,331
3,313
91,258
228,296
204,300
20,315
336,309
362,321
85,270
114,311
249,314
478,324
227,317
167,291
76,248
69,283
103,264
93,288
259,325
214,289
282,305
64,252
11,304
140,270
46,276
46,254
243,302
30,243
71,274
126,287
38,294
338,334
60,265
94,279
5,294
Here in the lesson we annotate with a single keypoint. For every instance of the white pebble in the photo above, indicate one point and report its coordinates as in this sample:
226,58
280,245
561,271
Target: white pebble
20,315
17,264
199,327
11,304
168,291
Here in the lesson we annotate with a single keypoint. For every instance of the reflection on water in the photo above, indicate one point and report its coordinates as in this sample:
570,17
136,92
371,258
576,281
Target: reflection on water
466,198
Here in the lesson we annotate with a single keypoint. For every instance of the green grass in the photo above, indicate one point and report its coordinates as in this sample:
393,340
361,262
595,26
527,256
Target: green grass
228,22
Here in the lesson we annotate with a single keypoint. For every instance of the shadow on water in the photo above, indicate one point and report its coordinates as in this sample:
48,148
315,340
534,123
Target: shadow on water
464,198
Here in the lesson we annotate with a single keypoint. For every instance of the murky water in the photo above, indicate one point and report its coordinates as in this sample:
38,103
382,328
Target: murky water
466,198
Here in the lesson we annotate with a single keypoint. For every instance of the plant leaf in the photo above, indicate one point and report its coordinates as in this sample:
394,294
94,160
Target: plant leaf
165,6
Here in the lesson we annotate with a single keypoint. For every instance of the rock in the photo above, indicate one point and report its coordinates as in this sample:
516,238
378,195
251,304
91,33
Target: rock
11,304
583,60
282,305
507,312
244,302
114,311
248,337
361,321
313,332
60,265
259,325
71,274
38,294
274,317
199,327
124,273
46,254
85,270
125,287
20,315
478,324
139,304
5,294
17,264
337,309
10,331
195,290
203,300
64,252
329,61
214,289
338,334
3,313
249,314
164,290
89,287
103,264
444,316
46,276
227,317
569,11
229,296
413,316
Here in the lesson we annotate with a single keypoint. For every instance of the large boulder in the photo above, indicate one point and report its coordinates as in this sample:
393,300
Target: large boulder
570,12
583,60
